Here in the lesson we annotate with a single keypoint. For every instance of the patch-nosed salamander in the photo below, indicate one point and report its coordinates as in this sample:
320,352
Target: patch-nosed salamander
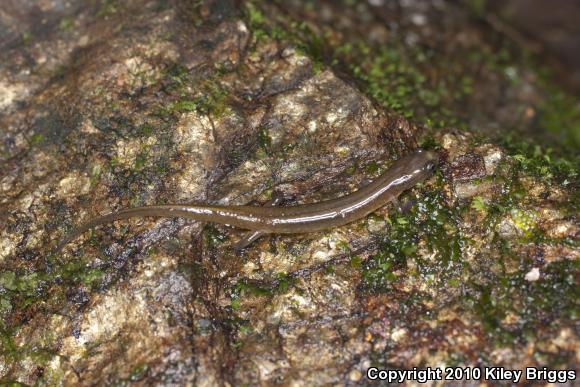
402,175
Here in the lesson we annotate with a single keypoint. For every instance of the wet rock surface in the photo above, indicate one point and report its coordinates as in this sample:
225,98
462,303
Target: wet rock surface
226,103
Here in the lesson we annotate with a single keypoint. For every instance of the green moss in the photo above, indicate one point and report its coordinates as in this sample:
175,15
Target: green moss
138,372
509,308
260,27
281,284
356,261
255,17
247,288
372,168
41,356
8,349
559,114
211,100
311,44
24,289
141,160
431,221
264,139
297,34
26,38
431,88
477,7
524,220
145,130
36,139
284,283
178,75
96,174
29,283
203,94
67,23
183,106
108,8
478,204
533,304
343,246
11,383
244,329
378,272
51,377
395,77
91,277
212,236
235,303
8,280
540,162
5,305
113,162
537,162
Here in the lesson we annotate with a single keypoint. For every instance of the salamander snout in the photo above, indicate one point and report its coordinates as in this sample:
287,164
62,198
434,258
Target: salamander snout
428,160
432,161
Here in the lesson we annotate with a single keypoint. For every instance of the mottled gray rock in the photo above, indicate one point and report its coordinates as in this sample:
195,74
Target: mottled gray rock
109,104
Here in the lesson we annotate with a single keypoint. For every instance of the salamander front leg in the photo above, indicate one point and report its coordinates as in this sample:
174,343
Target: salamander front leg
277,198
403,205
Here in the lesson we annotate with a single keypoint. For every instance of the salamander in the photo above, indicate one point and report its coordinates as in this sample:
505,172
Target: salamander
402,175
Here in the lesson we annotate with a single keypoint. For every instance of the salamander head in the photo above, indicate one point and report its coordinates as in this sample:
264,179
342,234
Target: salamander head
416,167
427,160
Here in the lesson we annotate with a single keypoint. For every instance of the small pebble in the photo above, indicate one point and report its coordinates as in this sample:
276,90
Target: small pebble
355,375
533,275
